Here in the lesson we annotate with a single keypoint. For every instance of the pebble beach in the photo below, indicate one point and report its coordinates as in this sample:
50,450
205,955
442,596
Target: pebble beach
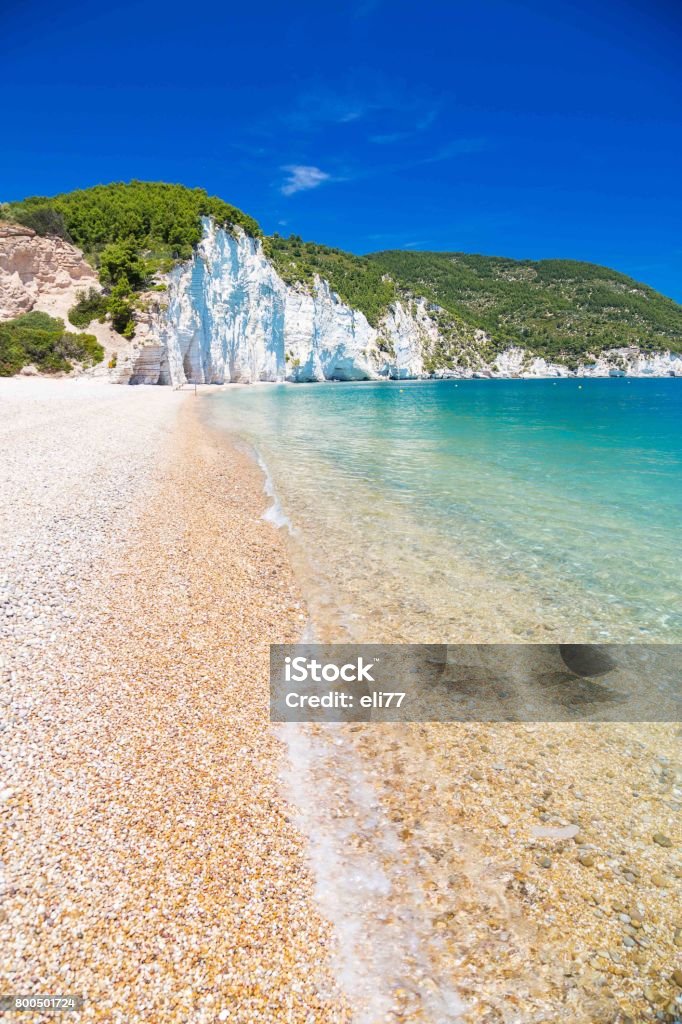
171,857
149,861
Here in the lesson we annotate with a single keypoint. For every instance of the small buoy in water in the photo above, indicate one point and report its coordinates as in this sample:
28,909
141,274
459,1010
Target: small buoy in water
401,390
580,387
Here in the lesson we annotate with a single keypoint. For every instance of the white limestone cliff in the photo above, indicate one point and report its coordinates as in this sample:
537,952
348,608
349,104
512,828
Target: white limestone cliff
230,317
614,362
227,316
632,362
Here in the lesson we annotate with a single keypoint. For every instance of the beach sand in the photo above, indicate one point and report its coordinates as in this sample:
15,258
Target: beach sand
149,860
153,858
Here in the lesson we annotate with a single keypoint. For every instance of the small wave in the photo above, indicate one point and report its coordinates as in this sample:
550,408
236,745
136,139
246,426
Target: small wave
384,939
275,514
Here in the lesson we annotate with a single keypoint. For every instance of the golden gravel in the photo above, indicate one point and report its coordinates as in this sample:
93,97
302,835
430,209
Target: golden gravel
150,863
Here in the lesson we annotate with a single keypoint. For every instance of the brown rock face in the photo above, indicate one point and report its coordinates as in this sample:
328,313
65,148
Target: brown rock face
46,274
8,230
34,268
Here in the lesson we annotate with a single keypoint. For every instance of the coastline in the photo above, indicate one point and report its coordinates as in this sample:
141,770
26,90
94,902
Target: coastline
152,839
528,845
499,547
449,820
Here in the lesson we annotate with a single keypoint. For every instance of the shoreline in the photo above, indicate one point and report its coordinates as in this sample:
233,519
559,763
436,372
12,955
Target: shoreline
464,823
93,377
482,589
152,838
427,379
517,856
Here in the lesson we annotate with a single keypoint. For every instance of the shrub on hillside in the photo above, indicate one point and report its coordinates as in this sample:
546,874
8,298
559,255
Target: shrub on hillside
120,306
39,339
120,262
44,220
83,348
91,305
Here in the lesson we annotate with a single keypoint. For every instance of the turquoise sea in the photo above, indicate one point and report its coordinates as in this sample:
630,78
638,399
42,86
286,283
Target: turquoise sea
476,510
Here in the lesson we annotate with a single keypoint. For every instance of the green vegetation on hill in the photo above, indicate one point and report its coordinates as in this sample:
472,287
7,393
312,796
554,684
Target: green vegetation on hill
160,219
560,309
91,305
41,340
357,282
128,231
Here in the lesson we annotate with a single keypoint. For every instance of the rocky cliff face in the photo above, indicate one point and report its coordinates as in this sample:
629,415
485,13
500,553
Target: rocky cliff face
34,268
46,274
227,316
615,362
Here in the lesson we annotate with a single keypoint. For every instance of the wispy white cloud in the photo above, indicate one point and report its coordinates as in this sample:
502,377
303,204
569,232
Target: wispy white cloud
421,124
345,116
361,94
390,137
448,151
456,147
301,178
319,107
397,240
427,119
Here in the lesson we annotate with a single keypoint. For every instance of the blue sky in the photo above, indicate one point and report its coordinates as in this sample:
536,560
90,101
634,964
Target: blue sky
526,128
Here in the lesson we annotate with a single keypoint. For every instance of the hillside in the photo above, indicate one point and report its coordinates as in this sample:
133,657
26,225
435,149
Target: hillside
554,308
161,219
425,311
559,309
358,282
129,232
43,341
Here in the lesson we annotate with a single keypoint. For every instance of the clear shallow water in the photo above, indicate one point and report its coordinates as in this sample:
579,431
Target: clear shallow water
477,510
